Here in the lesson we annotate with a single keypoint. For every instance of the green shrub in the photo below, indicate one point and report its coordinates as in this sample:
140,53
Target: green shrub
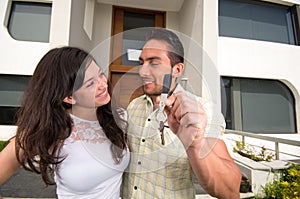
285,186
3,144
250,152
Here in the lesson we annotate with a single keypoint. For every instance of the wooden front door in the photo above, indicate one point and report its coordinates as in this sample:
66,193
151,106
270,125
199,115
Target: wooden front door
128,38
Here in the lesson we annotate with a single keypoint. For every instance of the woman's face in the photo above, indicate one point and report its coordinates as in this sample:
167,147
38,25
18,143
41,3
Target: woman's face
94,91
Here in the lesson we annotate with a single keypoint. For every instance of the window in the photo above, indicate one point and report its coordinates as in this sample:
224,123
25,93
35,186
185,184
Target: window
11,90
30,21
258,20
258,106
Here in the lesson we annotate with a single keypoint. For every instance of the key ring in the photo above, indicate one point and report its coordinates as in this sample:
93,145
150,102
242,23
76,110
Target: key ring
161,116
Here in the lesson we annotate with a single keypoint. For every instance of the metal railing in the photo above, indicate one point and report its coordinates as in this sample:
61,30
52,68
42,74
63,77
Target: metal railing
276,140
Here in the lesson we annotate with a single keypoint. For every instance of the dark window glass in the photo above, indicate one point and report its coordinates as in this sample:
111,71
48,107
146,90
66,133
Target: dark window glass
11,91
260,106
30,21
226,101
256,20
134,40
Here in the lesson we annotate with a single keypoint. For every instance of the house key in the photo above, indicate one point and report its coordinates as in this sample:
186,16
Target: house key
161,115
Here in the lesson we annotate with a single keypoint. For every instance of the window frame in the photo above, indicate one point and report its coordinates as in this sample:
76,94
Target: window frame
235,107
10,107
9,15
294,12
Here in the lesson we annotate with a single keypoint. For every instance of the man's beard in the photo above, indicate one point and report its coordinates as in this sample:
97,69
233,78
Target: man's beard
153,93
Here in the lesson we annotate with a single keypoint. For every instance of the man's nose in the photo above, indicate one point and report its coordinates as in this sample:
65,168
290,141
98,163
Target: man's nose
144,69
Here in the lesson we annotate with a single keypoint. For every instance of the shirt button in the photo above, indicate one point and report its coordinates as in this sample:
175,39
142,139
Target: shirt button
139,162
143,139
149,120
135,187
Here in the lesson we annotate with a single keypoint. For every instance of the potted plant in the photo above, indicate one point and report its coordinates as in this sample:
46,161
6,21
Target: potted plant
285,186
252,153
245,184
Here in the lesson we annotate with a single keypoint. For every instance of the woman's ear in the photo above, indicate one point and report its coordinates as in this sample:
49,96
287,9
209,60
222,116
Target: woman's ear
69,100
177,69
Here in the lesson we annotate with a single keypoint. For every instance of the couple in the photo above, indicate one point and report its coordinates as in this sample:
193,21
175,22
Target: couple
67,129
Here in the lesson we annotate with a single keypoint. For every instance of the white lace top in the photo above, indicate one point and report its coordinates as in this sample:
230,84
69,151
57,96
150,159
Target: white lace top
89,171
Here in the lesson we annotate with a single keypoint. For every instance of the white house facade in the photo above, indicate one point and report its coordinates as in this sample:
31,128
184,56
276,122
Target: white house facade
252,46
246,53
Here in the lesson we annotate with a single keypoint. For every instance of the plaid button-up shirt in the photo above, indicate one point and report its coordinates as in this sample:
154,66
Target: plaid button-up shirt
156,170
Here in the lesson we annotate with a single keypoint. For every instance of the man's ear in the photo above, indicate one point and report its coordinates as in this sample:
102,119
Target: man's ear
69,100
177,69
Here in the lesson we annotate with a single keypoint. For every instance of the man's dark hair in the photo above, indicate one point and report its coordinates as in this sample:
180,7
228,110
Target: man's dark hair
176,51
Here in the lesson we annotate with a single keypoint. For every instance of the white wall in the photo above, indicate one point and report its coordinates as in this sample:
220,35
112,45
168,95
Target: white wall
102,23
172,20
250,58
21,57
78,36
259,59
7,132
198,20
17,57
60,23
102,34
191,25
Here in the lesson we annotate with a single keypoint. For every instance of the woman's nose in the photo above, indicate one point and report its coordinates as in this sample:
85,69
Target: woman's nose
102,82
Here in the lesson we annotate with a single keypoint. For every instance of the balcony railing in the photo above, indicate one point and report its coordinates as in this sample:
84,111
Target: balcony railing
276,140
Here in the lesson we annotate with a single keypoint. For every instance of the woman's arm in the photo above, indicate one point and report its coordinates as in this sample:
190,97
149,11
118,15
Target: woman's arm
8,161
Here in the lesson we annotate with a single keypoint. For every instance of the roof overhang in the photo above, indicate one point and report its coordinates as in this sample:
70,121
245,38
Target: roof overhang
162,5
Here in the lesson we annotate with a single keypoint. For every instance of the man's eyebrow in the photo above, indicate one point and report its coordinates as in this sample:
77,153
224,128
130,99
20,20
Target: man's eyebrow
150,58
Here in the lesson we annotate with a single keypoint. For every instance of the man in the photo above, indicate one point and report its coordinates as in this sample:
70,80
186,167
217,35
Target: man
162,161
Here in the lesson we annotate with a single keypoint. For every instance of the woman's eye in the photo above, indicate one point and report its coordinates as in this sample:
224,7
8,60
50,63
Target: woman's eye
90,84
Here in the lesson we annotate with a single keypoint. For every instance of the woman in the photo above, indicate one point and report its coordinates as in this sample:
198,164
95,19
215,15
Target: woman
67,129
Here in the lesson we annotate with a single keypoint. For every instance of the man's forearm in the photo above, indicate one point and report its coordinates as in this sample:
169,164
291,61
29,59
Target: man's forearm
215,170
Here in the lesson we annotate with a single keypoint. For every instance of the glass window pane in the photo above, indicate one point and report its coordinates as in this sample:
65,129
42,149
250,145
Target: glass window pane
234,19
267,107
134,40
226,101
11,91
30,21
8,115
253,20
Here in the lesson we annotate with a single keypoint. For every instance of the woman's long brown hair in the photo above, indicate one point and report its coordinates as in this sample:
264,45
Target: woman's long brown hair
43,122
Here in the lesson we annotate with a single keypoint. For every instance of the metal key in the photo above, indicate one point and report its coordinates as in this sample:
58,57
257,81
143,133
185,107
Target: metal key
161,129
161,116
